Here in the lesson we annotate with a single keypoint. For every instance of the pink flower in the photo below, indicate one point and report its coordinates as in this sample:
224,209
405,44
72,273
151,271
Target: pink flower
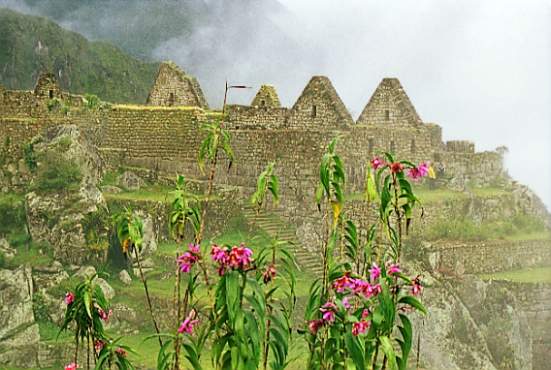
376,289
194,248
377,163
189,258
188,323
365,313
69,298
342,283
314,326
236,258
362,287
418,172
396,167
346,303
423,169
240,257
374,272
98,345
269,274
416,288
71,366
105,316
360,327
121,352
218,254
328,312
394,269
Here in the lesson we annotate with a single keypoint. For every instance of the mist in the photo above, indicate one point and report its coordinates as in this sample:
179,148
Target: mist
480,69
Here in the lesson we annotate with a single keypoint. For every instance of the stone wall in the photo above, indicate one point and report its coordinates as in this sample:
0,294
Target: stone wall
489,257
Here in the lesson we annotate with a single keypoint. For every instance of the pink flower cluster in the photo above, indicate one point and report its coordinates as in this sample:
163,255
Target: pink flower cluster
189,258
105,316
416,287
69,298
269,274
419,172
367,289
237,258
188,323
361,326
98,345
328,311
72,366
121,352
377,163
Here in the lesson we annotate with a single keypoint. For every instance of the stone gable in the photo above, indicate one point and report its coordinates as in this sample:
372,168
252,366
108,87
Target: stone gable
389,104
173,87
266,97
319,105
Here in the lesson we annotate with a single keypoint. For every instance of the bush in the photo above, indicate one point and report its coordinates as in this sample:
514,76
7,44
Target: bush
12,214
57,173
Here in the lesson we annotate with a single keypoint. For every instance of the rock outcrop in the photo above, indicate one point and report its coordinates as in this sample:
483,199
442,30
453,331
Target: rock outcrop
19,335
69,219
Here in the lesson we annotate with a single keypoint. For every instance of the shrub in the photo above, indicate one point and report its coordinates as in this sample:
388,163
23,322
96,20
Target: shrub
57,173
12,214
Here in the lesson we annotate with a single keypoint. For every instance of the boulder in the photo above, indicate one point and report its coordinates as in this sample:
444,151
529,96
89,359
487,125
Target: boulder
6,249
59,217
125,278
19,335
86,272
107,289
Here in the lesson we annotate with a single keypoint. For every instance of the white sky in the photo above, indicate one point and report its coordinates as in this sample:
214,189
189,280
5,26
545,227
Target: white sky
481,69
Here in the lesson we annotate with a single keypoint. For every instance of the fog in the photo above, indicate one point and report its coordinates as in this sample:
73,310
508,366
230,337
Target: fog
480,69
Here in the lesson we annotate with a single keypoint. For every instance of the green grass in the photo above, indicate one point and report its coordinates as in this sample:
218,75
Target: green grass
32,255
519,227
529,275
154,193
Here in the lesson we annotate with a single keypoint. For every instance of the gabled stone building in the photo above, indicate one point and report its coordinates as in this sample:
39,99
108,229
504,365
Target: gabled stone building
173,87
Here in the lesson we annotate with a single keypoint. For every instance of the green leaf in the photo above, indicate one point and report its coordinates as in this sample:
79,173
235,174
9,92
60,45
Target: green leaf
413,302
388,350
405,344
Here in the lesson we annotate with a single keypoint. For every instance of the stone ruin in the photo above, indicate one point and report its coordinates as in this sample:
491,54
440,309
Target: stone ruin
173,87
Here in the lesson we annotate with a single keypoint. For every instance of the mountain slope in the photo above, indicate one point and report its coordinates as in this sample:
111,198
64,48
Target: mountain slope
29,45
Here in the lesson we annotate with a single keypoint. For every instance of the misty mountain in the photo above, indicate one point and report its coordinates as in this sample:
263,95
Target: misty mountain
29,45
215,40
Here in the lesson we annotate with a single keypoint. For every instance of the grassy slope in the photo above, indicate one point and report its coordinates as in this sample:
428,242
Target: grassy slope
81,66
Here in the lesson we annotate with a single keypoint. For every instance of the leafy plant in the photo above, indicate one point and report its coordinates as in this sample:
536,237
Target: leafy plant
356,314
129,230
57,173
267,183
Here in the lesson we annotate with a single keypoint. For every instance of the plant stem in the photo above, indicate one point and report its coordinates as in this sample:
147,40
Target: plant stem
148,298
178,304
76,348
199,236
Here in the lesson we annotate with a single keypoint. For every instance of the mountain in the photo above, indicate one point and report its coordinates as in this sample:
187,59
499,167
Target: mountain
31,44
242,41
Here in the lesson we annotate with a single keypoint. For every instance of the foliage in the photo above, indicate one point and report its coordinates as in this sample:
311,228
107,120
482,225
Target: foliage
93,103
97,67
87,310
267,182
29,156
356,314
58,105
217,139
57,173
12,214
95,226
40,308
184,211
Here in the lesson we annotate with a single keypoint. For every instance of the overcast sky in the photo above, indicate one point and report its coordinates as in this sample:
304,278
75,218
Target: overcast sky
481,69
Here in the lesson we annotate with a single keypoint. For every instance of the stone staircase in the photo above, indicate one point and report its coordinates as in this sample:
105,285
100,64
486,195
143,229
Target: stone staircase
276,227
